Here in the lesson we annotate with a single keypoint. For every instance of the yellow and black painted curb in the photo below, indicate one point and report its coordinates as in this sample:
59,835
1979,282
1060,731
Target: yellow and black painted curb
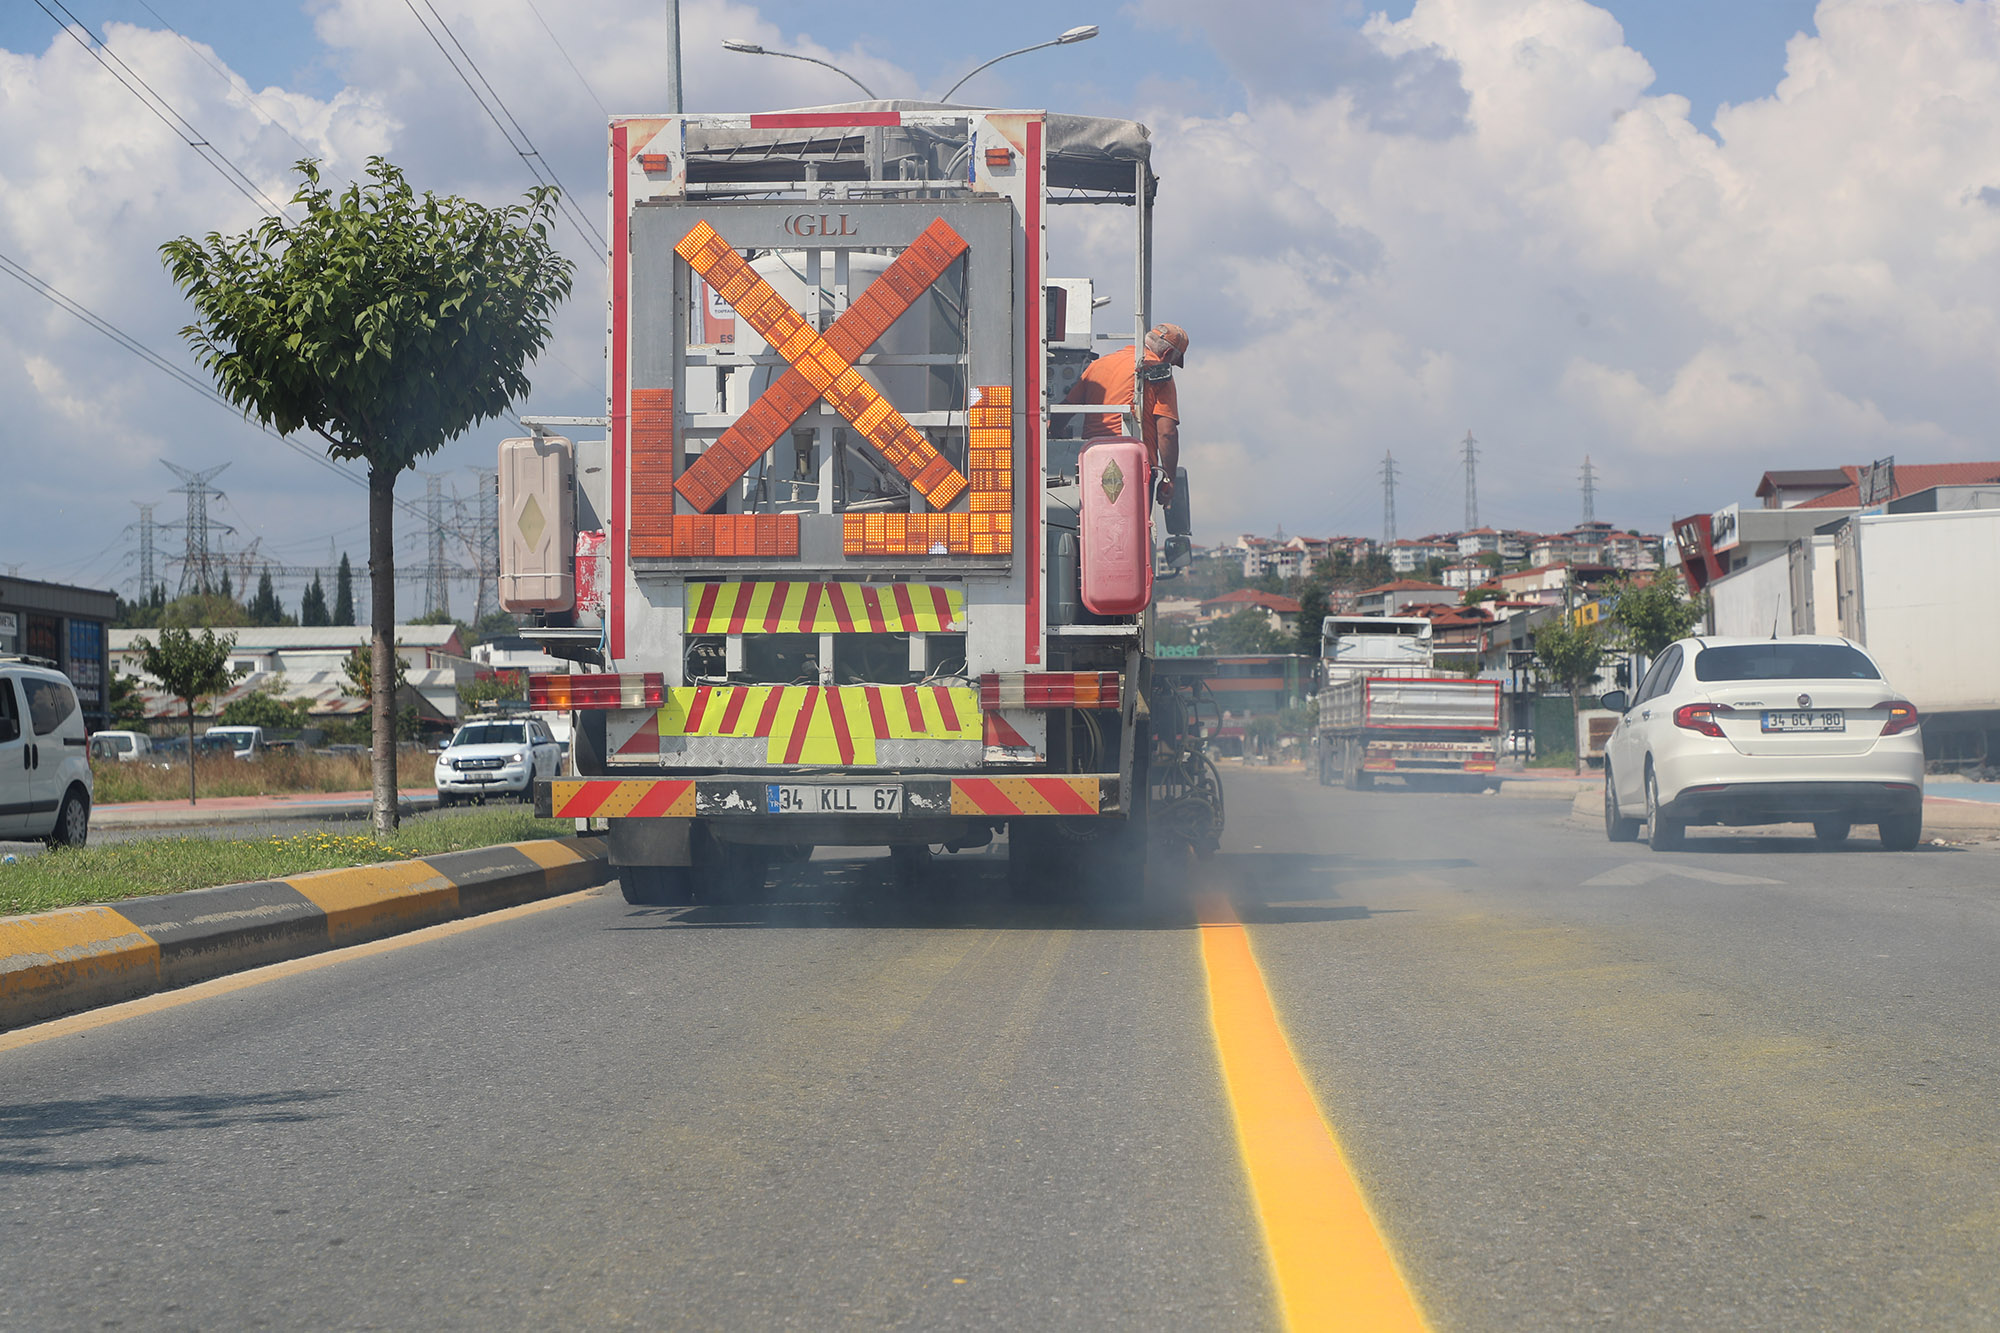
76,958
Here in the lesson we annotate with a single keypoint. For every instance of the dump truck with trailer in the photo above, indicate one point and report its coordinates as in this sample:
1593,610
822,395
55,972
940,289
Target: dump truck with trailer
839,572
1385,712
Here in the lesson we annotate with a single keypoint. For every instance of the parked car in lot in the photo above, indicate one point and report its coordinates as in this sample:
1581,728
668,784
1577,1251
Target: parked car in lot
1763,731
244,742
45,784
496,757
125,747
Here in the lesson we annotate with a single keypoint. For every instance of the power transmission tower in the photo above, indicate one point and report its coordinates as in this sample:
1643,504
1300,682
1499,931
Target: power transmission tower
199,566
148,567
486,543
1589,475
1388,502
437,588
1471,482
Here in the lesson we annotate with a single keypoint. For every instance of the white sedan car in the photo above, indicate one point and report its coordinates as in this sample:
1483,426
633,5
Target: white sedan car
1764,731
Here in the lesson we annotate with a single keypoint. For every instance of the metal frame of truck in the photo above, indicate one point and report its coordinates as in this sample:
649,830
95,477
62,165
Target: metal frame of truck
1011,705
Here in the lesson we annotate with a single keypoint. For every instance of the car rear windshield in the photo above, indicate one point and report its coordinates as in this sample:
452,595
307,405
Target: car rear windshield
489,733
1779,660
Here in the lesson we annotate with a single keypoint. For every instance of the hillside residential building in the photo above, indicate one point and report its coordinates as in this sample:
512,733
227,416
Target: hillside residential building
1395,599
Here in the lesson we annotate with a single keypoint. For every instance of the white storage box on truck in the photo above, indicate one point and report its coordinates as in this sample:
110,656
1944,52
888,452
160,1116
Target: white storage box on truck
826,559
1384,712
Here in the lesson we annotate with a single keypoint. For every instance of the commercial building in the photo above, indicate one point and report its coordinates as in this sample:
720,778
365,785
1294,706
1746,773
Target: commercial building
68,626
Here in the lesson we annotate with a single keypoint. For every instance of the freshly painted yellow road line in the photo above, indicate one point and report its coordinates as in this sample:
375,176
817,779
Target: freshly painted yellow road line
1332,1267
150,1004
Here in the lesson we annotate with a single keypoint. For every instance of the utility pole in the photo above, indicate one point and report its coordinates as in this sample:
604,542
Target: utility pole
1589,475
1388,502
1471,482
674,56
146,567
198,565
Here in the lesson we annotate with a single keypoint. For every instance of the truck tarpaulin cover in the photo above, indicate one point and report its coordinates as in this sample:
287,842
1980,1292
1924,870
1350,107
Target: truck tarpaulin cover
1084,152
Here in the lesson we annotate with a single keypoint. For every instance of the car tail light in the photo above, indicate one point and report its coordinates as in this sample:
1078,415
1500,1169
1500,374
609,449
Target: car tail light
1699,717
1051,689
560,694
1902,716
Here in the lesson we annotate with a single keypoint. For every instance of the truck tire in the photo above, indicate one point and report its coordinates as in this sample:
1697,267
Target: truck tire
909,867
1352,775
656,886
1325,766
726,872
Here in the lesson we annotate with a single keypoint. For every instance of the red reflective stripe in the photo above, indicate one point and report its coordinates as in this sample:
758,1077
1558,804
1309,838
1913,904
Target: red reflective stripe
945,710
776,610
907,612
1034,526
841,738
836,597
695,710
871,599
770,713
943,605
797,744
706,607
621,409
659,798
587,799
986,795
913,707
1059,793
737,698
878,716
811,608
741,611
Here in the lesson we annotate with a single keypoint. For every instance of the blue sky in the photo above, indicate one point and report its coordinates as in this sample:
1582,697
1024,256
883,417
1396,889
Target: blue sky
1383,223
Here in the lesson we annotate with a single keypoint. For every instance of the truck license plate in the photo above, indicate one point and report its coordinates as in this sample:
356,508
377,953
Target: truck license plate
1819,719
784,799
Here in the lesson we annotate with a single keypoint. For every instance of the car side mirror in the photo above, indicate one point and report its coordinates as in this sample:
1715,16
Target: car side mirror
1615,701
1180,518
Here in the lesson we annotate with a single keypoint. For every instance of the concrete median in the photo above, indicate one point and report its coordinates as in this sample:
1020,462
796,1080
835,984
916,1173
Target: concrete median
77,958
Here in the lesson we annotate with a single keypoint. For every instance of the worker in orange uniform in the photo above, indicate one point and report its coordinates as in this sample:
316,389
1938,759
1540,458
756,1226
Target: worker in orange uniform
1108,379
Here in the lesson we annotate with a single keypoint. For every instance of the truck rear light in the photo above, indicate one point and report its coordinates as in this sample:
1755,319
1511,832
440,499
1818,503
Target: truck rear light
561,694
1051,689
1902,716
1700,717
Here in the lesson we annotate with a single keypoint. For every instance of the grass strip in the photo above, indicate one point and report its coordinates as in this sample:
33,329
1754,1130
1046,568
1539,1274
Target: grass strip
73,877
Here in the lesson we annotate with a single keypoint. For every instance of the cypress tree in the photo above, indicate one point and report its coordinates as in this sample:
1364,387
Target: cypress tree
343,593
312,604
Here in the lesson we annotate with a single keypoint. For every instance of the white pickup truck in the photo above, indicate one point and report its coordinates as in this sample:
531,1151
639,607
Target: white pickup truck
1383,710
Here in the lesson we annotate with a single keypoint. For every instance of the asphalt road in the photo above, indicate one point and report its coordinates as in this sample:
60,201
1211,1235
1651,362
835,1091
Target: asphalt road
1751,1085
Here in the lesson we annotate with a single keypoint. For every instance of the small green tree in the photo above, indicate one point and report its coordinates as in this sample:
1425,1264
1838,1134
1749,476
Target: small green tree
1245,631
128,710
343,593
1312,616
359,668
501,685
312,604
1652,615
1570,655
385,323
190,669
263,710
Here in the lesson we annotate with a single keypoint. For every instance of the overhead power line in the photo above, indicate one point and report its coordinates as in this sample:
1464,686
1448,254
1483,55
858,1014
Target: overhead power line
158,105
557,43
237,83
517,138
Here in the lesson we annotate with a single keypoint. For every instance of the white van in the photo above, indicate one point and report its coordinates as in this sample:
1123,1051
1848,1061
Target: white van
125,747
44,765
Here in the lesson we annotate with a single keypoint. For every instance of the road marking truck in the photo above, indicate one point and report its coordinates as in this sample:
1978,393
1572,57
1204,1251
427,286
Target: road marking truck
839,572
1384,711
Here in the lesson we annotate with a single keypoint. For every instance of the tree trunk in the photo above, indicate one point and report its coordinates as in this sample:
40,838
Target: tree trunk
190,708
382,651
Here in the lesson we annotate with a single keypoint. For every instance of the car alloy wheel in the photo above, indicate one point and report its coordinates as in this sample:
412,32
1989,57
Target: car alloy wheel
1663,833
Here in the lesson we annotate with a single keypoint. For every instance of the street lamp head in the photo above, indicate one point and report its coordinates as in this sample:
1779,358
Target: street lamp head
747,48
1082,33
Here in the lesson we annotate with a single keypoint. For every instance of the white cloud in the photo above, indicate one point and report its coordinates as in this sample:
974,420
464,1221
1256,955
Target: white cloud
1478,216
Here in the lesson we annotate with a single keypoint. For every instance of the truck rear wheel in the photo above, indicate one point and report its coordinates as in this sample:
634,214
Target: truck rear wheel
1352,775
726,872
656,886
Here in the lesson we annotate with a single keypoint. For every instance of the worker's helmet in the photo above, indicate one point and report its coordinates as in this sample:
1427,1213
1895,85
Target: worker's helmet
1169,343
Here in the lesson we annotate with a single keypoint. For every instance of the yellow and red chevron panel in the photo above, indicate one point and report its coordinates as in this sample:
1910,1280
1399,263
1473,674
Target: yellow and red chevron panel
1026,796
638,798
824,608
805,724
821,366
988,529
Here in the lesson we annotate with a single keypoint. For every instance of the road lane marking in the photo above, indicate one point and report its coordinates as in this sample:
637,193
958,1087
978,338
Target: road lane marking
1332,1267
150,1004
1634,873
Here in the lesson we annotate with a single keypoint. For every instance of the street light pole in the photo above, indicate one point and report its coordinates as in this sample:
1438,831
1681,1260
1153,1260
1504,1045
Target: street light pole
1078,34
752,49
674,56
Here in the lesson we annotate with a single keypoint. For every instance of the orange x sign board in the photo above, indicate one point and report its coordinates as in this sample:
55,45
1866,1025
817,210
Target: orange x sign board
821,366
